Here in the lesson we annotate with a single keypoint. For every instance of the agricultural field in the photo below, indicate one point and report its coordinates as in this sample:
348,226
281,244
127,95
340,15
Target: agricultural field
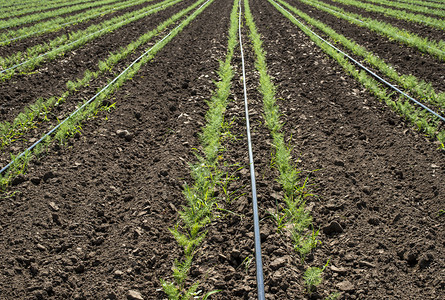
222,149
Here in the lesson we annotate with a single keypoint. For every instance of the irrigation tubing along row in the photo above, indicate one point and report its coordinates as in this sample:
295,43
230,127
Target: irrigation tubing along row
59,26
63,46
364,68
92,99
357,20
256,222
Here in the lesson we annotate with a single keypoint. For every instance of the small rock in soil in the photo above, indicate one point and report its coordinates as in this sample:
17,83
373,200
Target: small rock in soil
48,175
364,263
124,134
374,221
53,206
278,263
338,270
134,295
345,286
339,163
118,273
366,190
334,227
80,268
40,247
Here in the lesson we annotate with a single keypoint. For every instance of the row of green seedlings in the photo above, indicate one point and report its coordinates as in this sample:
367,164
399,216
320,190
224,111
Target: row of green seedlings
425,3
416,8
292,214
37,8
21,62
41,109
13,4
423,120
73,125
418,87
56,24
398,14
208,176
13,22
434,48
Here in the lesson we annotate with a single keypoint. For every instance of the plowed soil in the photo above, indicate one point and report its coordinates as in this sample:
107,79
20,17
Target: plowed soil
406,60
419,29
51,77
91,219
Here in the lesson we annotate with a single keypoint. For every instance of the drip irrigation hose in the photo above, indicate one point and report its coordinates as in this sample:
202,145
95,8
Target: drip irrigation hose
91,100
60,26
73,42
256,222
357,20
363,67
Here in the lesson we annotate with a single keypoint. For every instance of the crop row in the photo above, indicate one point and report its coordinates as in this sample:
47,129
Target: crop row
13,22
416,8
435,49
418,87
422,119
398,14
12,4
21,62
40,110
38,8
72,123
425,3
57,24
207,174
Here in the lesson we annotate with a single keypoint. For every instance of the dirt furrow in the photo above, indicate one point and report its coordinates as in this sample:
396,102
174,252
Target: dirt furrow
379,182
96,225
405,60
422,30
22,45
50,78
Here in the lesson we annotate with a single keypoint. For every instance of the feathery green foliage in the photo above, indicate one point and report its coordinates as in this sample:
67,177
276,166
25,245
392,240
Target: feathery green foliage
33,56
206,173
435,49
294,212
72,124
422,119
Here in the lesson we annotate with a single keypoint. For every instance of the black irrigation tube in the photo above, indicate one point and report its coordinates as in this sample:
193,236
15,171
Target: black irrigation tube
73,42
91,100
358,20
60,26
365,68
256,222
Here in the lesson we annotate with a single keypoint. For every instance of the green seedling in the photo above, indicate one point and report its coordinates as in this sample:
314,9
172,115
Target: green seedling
313,277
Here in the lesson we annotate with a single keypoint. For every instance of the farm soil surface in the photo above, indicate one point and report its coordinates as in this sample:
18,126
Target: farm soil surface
51,77
22,45
406,60
90,220
419,29
93,223
378,179
50,18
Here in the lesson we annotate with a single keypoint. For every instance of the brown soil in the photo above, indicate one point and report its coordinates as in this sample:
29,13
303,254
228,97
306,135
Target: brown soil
49,18
91,219
406,60
72,65
419,29
22,45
